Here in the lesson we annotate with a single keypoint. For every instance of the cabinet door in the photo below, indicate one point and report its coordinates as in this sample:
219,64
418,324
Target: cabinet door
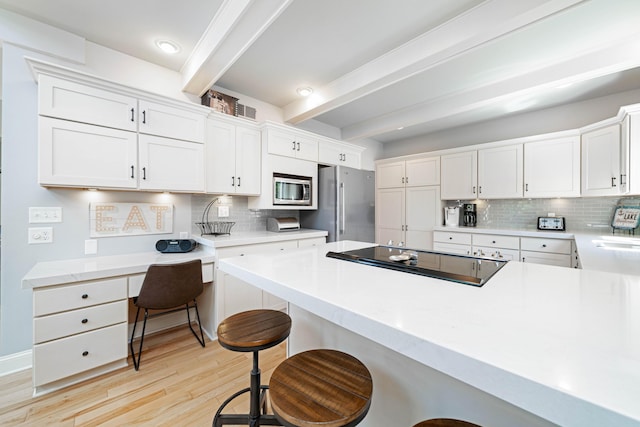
221,157
81,103
423,212
330,153
390,175
80,155
171,122
459,176
248,161
546,258
171,165
390,214
601,162
552,168
306,148
422,172
500,174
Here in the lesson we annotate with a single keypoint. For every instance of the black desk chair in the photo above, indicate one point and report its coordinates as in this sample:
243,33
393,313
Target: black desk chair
169,287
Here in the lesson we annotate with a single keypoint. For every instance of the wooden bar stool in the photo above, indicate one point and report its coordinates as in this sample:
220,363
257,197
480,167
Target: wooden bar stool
445,422
252,331
325,388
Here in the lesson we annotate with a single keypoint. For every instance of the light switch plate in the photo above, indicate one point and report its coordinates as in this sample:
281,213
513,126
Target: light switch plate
90,247
39,215
38,235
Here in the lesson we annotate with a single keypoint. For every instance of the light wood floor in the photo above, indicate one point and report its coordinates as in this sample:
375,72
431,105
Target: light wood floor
179,384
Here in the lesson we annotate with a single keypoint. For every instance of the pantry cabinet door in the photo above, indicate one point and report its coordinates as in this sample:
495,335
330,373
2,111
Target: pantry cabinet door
79,155
171,165
390,214
423,212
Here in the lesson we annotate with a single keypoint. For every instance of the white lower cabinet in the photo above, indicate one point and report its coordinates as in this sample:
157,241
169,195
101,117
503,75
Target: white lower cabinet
452,242
496,246
546,251
234,295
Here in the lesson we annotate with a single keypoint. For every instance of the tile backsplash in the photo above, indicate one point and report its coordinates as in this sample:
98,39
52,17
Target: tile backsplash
245,219
581,214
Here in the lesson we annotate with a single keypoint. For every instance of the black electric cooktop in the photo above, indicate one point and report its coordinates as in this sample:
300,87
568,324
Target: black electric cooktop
455,268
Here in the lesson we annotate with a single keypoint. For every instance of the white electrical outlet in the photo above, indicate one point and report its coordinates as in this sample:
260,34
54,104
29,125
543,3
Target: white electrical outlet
45,215
184,234
90,247
39,235
223,211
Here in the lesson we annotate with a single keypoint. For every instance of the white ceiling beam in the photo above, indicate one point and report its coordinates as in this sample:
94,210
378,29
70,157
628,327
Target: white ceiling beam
488,21
524,87
234,28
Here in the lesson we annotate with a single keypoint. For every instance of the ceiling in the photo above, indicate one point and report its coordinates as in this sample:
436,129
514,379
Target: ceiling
375,65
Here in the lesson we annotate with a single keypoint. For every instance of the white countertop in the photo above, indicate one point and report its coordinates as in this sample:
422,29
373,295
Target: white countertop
72,270
558,342
257,237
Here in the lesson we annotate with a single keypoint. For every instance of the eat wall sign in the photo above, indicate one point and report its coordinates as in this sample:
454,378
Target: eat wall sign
130,219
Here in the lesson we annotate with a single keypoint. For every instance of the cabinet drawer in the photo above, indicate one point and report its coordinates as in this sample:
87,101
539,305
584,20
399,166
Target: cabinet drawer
559,260
452,248
254,249
68,356
60,325
135,281
448,237
312,242
85,294
497,253
496,241
559,246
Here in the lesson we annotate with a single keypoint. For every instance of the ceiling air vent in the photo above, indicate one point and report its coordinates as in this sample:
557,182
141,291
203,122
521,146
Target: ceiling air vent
245,111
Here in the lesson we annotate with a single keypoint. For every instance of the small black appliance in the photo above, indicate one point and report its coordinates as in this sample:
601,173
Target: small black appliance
176,245
469,217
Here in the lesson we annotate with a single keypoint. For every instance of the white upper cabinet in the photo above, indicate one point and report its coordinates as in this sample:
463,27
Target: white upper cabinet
170,164
75,154
601,162
67,100
409,173
233,158
162,120
459,174
339,154
552,168
291,144
500,172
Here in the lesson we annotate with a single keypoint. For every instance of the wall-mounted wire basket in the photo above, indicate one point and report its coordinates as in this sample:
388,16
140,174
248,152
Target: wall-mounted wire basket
215,228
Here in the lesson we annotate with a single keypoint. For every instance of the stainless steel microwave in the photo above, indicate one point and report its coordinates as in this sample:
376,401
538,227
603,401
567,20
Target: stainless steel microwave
292,190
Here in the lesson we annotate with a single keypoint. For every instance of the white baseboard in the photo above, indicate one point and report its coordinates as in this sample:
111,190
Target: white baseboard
15,362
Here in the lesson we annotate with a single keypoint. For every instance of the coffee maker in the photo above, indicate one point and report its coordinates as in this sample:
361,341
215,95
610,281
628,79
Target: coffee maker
469,217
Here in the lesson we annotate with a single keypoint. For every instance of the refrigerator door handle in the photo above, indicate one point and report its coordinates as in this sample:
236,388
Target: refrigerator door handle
343,208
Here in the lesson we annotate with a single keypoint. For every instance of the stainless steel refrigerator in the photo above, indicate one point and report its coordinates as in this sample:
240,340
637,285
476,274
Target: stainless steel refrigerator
346,204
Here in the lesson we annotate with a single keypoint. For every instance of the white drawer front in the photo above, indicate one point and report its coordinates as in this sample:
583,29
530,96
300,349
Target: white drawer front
60,325
85,294
496,241
448,237
497,253
68,356
559,260
303,243
135,281
559,246
255,249
452,248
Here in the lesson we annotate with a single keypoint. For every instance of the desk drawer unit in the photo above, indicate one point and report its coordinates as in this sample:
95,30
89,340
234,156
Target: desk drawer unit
64,298
54,326
65,357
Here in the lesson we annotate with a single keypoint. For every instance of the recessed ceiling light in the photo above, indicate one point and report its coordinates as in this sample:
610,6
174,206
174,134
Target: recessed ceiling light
168,46
304,91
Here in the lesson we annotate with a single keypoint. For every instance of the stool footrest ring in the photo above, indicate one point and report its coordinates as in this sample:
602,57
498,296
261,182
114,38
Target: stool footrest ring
221,419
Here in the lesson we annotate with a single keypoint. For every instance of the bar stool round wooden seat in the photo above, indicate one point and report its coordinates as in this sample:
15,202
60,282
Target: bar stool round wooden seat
445,422
252,331
325,388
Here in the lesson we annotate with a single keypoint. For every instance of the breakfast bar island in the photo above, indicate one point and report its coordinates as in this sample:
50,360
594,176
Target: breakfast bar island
534,346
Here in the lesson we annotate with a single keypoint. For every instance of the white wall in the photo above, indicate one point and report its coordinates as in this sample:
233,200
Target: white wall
21,190
565,117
